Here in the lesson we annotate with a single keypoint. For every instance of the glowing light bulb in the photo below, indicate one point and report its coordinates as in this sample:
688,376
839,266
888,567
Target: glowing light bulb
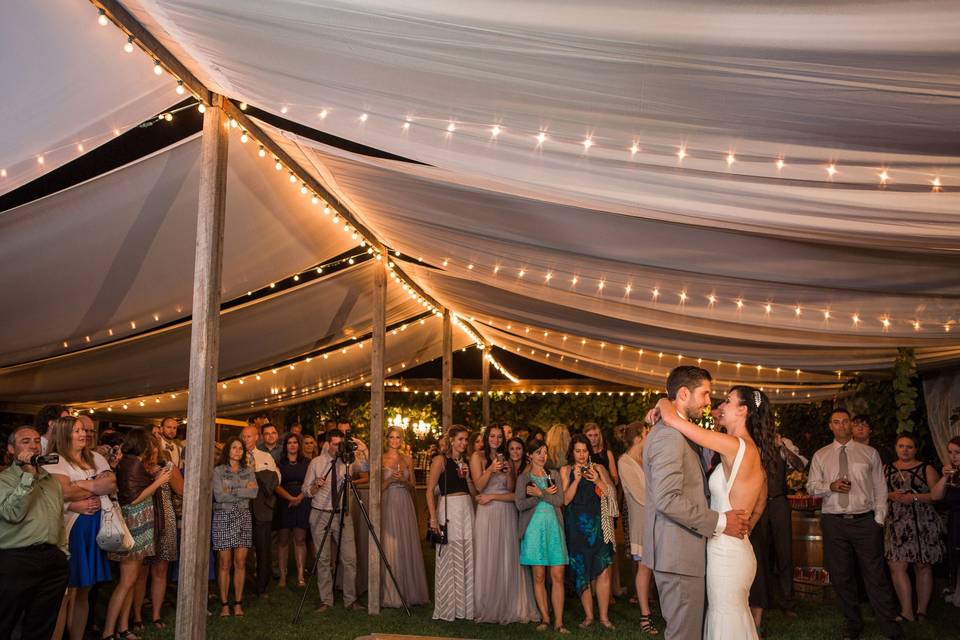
826,315
681,153
683,296
712,298
937,185
451,128
495,130
262,152
768,307
157,69
128,45
243,106
780,164
314,200
102,18
39,159
406,126
739,303
303,188
201,108
284,110
884,176
180,90
731,159
168,117
885,322
80,147
797,311
656,293
277,164
293,178
3,173
541,138
856,319
233,123
363,117
244,137
323,114
587,143
831,170
634,149
326,209
574,280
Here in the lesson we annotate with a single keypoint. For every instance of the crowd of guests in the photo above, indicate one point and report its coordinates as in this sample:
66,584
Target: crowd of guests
519,521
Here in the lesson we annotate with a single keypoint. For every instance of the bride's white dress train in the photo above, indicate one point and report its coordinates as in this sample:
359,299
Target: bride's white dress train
731,566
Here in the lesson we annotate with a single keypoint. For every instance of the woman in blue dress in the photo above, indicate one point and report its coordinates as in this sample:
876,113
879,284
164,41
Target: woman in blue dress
85,476
542,545
292,514
590,555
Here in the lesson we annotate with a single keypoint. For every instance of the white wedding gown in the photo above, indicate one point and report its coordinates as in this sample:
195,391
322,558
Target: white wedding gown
731,566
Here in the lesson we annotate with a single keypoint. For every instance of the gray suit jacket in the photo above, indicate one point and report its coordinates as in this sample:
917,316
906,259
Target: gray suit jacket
526,504
679,522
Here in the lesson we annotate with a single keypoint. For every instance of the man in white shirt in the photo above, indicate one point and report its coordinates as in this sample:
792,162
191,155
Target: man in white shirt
848,476
324,483
168,440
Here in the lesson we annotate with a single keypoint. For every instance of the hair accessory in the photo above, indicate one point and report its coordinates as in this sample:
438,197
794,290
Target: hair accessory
757,398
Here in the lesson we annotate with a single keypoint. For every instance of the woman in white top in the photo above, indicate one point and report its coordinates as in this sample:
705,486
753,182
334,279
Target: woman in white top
85,476
634,485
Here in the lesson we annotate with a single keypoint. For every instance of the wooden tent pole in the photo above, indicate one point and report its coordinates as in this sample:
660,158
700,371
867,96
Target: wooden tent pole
204,365
376,428
485,386
447,381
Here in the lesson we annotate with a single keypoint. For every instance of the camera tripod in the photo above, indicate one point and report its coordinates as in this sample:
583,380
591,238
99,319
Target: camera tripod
343,500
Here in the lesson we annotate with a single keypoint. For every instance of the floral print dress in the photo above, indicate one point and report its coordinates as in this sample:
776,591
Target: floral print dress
913,532
589,554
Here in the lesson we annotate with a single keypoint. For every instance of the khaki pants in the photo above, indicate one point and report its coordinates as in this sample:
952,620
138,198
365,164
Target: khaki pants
348,555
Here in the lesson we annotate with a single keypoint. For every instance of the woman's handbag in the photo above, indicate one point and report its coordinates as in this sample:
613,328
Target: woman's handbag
439,537
114,536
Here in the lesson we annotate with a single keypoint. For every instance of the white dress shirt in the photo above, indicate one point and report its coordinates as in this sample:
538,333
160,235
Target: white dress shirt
263,461
868,488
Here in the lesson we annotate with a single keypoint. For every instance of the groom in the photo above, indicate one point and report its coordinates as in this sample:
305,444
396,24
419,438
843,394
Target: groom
678,520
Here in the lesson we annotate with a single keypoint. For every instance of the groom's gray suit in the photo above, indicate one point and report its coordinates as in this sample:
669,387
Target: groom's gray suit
677,526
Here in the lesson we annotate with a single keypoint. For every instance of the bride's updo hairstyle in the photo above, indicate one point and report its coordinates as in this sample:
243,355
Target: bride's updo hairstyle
759,423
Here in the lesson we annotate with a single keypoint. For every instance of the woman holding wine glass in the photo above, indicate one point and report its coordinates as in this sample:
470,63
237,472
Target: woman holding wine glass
451,516
401,542
502,594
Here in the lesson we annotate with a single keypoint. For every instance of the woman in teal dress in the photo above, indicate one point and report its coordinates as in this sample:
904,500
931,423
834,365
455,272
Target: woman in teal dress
590,556
541,532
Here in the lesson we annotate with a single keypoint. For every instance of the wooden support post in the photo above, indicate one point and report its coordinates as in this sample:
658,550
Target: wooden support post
204,366
485,386
446,393
377,366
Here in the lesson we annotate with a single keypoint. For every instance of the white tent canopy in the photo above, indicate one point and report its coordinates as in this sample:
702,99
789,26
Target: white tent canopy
761,185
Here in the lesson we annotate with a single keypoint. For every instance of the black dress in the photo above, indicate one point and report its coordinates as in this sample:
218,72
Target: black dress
292,475
952,502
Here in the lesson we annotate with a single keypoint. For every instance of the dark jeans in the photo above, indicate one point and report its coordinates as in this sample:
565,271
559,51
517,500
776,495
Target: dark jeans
263,547
32,583
857,544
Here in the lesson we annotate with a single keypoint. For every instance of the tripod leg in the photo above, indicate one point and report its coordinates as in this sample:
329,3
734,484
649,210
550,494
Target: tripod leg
376,540
343,501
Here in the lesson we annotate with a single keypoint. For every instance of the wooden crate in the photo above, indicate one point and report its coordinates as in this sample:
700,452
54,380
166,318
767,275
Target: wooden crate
813,591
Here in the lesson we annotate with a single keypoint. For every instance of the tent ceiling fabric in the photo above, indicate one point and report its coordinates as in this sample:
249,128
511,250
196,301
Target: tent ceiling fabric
813,87
114,255
420,211
66,83
321,377
253,337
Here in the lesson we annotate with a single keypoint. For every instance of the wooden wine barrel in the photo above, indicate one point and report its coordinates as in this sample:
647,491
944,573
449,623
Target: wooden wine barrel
807,539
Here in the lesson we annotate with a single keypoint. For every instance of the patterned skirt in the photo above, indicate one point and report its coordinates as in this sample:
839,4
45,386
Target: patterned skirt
139,519
453,590
166,538
232,529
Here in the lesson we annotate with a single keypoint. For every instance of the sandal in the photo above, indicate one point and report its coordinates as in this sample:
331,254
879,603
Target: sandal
561,630
238,609
586,623
137,625
158,623
543,626
224,609
126,634
647,626
609,626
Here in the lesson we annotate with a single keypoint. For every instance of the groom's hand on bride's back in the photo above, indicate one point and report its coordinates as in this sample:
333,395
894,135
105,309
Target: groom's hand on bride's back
738,523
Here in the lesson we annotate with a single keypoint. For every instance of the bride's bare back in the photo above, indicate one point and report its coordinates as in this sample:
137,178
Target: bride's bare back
749,487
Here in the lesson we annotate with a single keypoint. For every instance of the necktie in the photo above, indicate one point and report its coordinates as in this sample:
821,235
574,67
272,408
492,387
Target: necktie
333,487
844,475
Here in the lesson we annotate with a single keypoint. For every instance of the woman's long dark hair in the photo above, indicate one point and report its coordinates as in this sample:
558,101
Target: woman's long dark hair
285,457
487,452
759,423
225,452
578,438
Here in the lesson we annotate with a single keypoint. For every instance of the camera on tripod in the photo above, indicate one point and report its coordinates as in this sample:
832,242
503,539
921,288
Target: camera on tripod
347,451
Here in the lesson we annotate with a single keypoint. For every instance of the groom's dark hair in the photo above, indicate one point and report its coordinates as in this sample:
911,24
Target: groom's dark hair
685,376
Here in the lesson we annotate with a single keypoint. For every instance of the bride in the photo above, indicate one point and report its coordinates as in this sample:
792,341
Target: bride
740,482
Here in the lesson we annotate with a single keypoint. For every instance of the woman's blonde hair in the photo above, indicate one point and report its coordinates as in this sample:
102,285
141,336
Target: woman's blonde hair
61,442
398,430
557,440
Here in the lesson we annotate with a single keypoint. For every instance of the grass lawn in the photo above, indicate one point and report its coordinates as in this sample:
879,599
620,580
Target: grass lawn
272,620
